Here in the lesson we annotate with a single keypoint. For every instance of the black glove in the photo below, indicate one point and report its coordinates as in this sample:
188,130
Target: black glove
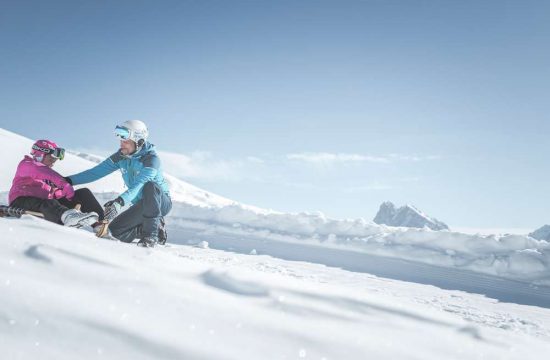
112,208
118,200
68,179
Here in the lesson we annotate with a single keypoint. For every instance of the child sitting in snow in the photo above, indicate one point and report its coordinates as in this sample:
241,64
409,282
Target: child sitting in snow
37,187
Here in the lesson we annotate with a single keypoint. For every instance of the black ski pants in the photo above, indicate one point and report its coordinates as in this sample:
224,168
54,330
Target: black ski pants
54,208
143,218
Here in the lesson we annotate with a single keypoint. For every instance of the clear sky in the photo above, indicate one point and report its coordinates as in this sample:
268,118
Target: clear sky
302,105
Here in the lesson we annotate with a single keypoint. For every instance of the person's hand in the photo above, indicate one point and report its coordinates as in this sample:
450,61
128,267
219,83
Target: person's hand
112,208
58,194
68,192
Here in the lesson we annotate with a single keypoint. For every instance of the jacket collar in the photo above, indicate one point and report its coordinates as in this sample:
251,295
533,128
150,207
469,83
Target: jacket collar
30,158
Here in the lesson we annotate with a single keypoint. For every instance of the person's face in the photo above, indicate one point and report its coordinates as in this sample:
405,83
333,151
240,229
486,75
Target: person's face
48,160
127,147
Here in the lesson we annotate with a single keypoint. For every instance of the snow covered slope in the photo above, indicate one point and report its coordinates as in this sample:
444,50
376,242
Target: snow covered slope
407,216
199,212
67,295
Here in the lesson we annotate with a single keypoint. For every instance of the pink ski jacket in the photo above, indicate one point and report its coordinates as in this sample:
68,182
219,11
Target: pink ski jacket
33,178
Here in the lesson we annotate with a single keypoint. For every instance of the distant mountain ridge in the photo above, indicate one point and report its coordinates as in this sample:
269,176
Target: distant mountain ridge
406,216
542,233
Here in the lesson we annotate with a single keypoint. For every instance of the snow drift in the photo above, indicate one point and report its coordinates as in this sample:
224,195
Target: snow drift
69,295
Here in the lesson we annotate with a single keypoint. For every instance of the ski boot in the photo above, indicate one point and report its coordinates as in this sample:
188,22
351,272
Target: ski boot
163,234
76,218
148,241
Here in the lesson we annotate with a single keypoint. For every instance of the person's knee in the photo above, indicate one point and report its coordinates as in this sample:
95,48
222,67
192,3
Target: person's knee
51,204
114,231
115,228
118,232
83,191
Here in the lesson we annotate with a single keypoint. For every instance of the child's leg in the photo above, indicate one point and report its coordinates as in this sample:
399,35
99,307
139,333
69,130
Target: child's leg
87,200
51,209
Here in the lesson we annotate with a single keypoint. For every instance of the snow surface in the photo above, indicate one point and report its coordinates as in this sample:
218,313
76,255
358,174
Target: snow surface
68,295
240,282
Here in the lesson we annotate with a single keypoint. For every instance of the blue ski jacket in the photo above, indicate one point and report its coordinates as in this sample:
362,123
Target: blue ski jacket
137,169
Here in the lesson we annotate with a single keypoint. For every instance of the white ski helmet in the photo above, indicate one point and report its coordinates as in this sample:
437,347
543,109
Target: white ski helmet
134,130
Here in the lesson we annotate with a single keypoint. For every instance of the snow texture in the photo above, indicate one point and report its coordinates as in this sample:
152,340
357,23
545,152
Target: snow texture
67,294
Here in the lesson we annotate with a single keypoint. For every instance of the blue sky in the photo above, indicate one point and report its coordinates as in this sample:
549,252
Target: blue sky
302,105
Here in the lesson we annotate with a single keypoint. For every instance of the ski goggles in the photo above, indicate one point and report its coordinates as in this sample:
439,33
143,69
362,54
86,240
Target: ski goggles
122,132
58,153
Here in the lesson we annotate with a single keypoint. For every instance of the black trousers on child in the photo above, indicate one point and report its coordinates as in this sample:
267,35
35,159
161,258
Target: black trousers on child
54,208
